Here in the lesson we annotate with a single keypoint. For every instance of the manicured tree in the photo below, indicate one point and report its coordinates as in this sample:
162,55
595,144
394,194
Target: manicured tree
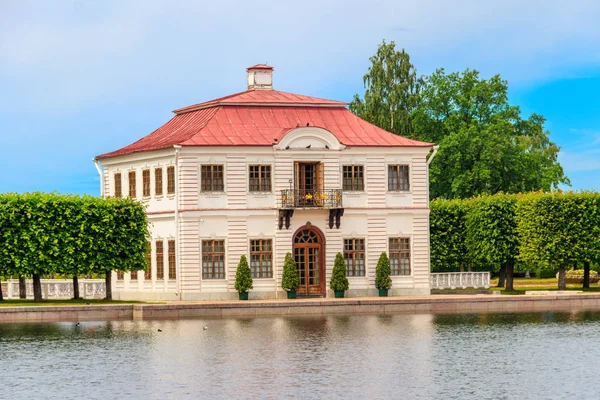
383,272
117,237
492,232
31,235
339,281
559,229
447,235
290,279
243,276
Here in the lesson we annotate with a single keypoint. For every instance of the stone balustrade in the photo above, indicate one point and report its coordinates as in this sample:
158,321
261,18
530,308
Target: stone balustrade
57,288
463,280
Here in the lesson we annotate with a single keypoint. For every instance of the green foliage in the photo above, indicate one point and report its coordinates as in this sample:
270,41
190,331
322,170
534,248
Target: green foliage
447,235
391,91
243,276
62,234
339,281
491,230
576,276
290,279
383,272
485,145
559,229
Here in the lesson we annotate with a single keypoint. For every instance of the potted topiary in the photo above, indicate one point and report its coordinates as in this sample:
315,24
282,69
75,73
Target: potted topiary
290,281
339,282
243,278
382,275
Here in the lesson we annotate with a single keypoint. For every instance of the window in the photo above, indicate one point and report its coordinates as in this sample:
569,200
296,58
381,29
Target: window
353,177
400,256
118,185
146,183
120,275
134,276
132,184
158,185
172,270
148,272
354,255
261,258
211,177
160,260
260,178
398,178
213,259
170,180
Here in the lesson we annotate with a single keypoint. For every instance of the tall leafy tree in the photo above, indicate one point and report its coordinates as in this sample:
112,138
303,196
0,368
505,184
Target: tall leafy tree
485,145
391,91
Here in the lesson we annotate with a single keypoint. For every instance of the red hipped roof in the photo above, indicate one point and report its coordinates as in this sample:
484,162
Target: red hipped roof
257,118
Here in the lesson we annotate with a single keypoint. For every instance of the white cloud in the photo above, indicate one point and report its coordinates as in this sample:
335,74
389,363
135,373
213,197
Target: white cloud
69,54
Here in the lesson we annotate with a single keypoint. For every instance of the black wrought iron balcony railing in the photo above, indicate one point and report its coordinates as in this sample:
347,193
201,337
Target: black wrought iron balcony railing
298,198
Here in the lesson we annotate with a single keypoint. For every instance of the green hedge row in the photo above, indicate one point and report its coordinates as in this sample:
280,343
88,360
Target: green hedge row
544,231
43,234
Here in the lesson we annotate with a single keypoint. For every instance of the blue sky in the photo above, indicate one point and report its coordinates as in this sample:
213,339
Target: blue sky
80,78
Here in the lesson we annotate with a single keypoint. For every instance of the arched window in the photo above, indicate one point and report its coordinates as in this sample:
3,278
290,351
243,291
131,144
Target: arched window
306,236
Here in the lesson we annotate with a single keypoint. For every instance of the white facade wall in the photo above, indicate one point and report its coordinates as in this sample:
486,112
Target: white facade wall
237,215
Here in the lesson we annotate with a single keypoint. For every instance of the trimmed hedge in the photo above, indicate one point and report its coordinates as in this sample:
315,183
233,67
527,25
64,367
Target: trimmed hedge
535,231
48,233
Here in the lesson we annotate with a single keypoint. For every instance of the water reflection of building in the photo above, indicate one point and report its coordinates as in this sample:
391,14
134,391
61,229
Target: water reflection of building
264,173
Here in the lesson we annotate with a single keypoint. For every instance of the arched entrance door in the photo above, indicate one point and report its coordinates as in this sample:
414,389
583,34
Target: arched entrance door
309,252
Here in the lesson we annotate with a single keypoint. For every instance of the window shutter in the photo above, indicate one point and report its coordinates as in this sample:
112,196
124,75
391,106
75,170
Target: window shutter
320,177
297,176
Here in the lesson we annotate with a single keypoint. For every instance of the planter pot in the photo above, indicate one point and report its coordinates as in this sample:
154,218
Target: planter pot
339,294
243,295
383,292
291,294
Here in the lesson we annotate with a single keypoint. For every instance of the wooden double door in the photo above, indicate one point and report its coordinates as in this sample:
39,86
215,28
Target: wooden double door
308,183
309,255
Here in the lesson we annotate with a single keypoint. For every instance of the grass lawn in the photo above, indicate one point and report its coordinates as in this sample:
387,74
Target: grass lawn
521,285
81,302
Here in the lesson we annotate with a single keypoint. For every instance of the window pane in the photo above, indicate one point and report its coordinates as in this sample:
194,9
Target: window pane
160,260
118,185
172,269
146,183
400,256
354,256
132,184
170,180
261,258
158,181
213,259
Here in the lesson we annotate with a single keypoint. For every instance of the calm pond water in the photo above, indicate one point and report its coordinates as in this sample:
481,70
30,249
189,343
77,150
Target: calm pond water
451,356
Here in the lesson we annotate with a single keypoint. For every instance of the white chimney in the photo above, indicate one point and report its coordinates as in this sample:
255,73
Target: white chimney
260,77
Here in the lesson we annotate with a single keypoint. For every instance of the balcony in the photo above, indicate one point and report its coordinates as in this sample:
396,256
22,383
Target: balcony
294,199
298,198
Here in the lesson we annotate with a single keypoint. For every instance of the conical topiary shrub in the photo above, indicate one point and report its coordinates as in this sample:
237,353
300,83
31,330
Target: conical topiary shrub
290,281
243,278
382,274
339,282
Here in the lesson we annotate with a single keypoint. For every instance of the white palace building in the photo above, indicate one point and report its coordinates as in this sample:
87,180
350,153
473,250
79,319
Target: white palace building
264,173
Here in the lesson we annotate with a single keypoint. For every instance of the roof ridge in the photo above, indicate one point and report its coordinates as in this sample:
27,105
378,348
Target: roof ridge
286,99
206,103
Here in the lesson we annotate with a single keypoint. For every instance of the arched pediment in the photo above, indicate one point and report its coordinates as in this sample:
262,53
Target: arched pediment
309,137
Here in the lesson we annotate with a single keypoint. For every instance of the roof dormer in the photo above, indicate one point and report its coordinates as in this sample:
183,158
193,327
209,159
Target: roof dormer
260,77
